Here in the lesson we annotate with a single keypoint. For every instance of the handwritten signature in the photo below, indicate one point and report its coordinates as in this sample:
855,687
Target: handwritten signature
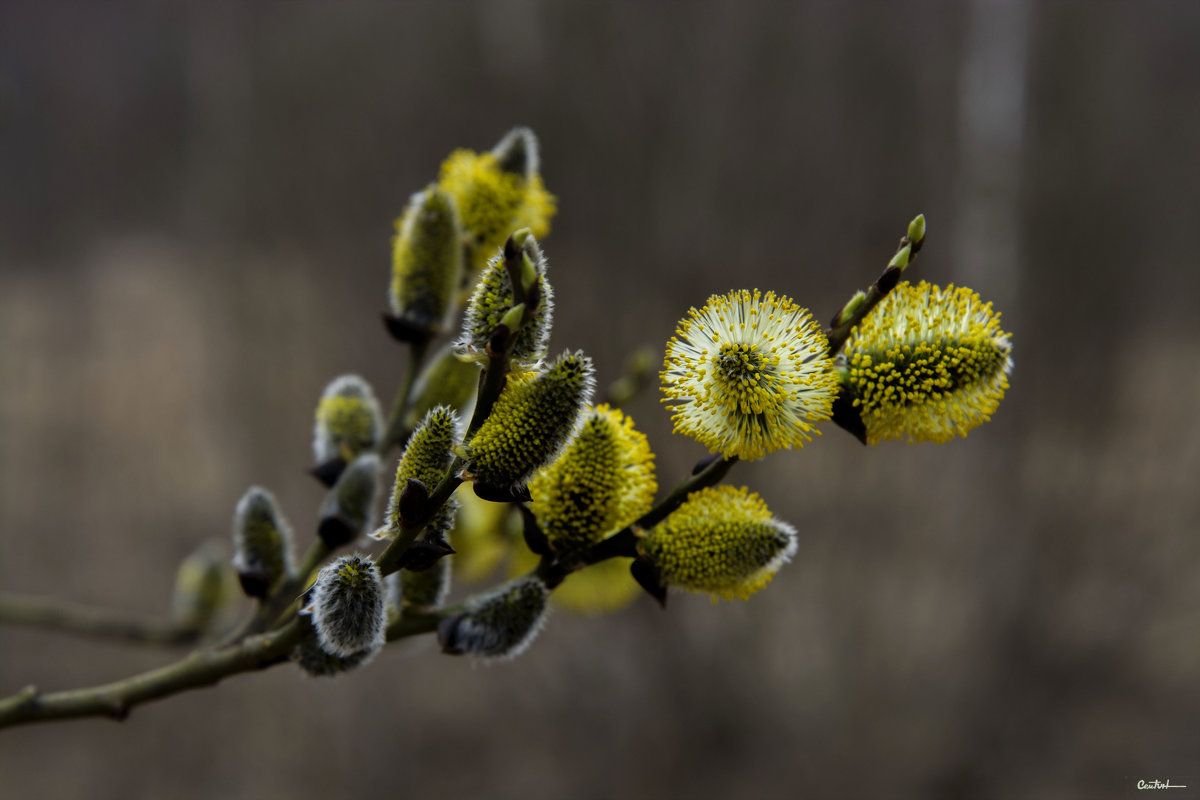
1157,784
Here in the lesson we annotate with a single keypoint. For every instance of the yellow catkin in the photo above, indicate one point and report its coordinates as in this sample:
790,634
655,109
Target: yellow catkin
603,481
723,541
748,374
492,203
928,364
530,422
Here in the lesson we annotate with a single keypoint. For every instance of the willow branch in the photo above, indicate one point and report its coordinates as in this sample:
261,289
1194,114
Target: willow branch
115,700
57,615
200,669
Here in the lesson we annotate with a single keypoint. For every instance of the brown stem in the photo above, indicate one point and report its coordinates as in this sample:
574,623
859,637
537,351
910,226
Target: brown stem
115,700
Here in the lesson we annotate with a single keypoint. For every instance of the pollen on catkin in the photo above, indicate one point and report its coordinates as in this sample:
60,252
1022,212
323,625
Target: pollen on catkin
498,192
722,540
927,364
349,506
492,299
427,261
346,607
748,374
499,624
426,458
262,542
601,482
532,419
348,420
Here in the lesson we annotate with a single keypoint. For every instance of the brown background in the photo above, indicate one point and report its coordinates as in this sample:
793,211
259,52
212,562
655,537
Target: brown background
195,206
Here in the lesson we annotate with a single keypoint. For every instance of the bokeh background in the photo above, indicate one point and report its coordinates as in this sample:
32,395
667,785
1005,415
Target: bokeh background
196,202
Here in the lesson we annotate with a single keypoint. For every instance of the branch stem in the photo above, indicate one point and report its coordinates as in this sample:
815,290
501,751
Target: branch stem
85,620
115,700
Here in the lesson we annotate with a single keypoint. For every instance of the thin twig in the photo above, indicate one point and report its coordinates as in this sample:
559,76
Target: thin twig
115,700
857,309
199,669
58,615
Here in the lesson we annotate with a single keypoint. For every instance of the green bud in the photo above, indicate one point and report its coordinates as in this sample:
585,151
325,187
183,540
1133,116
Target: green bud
901,258
201,588
532,420
512,317
262,542
529,272
519,236
348,507
348,420
493,299
427,262
426,459
916,231
851,308
500,624
346,607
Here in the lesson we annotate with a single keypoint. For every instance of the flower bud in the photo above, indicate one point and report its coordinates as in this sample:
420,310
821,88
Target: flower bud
348,420
446,381
927,364
492,302
497,193
916,232
201,588
532,419
851,308
309,656
262,542
500,624
350,504
427,263
721,540
346,607
426,459
517,153
603,481
902,257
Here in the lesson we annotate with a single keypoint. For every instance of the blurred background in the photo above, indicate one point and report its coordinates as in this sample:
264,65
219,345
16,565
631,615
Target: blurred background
196,202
